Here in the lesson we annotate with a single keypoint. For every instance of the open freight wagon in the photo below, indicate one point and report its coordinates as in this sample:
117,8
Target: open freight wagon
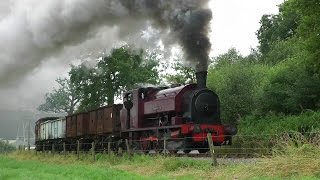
103,121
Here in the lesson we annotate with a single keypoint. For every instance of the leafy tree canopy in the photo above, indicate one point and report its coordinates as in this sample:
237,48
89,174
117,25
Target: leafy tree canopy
122,70
182,74
61,99
278,27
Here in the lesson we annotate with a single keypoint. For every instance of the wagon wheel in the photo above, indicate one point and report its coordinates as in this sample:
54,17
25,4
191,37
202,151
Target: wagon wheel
157,146
144,145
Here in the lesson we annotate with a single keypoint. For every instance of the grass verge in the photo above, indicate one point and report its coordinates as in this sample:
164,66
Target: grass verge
292,162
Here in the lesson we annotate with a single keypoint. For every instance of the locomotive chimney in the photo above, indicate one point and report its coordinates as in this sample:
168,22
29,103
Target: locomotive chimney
201,79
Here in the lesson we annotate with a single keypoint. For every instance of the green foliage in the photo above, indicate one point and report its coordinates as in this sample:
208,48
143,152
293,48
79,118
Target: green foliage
86,82
308,30
5,147
268,132
298,20
279,27
226,59
182,75
236,82
122,70
282,50
289,83
291,88
276,124
64,99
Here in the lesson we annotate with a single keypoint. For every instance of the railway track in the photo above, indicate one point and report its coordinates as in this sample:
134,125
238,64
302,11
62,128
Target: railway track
196,154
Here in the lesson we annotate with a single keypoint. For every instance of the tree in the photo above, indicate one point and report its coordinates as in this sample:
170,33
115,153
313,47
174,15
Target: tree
5,147
122,70
226,59
290,89
308,31
290,41
87,83
182,74
234,82
278,27
63,99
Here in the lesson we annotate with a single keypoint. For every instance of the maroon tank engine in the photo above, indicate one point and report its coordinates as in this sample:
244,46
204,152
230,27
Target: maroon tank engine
189,111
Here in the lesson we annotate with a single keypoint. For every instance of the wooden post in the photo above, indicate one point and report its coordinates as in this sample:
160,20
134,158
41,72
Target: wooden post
109,147
64,149
128,147
78,149
29,147
93,151
165,146
119,150
212,153
52,150
24,147
43,148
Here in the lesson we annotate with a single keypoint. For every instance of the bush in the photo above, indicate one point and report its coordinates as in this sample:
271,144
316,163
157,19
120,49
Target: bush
276,124
5,147
298,143
290,89
237,86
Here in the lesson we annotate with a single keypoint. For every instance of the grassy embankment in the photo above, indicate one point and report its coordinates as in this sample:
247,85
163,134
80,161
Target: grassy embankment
293,161
265,132
295,156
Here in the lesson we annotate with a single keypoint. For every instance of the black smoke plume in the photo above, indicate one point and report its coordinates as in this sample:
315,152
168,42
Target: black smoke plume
35,30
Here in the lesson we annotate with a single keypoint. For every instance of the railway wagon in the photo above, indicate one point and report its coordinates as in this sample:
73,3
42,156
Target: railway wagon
49,130
77,125
103,126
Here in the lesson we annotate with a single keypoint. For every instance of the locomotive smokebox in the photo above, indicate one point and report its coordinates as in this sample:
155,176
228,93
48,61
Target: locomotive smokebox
201,79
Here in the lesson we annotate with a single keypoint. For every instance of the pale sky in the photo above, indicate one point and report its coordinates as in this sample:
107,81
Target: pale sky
234,24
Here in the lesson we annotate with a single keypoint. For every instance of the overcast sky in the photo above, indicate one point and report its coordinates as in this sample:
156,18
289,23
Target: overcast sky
234,24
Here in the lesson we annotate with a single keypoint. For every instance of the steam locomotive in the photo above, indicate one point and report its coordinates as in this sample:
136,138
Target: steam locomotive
183,115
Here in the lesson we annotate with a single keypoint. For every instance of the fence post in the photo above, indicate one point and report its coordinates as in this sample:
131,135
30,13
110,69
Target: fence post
109,147
78,149
29,147
128,147
24,147
165,146
212,153
64,149
43,148
52,150
93,151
